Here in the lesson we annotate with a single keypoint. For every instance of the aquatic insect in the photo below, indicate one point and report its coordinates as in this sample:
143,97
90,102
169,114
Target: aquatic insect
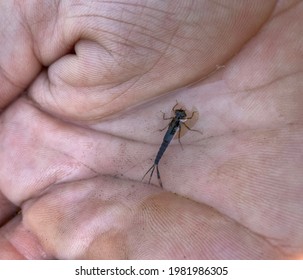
179,118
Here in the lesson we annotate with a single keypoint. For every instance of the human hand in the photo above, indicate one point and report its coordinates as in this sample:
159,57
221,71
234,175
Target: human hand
74,156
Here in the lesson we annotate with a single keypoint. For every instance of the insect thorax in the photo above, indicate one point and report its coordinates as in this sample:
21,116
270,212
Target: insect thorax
180,114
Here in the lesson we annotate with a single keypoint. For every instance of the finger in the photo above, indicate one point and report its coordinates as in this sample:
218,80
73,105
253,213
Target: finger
16,242
40,151
118,57
106,218
18,62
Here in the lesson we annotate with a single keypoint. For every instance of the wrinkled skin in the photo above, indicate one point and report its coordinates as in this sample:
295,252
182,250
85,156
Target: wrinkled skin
79,129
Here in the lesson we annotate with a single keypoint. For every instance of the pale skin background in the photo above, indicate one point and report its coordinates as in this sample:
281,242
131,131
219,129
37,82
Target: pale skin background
79,129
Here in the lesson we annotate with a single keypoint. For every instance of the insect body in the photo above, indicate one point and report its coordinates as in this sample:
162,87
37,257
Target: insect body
174,126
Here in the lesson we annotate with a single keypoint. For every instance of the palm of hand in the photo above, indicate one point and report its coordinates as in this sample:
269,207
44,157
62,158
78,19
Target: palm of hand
234,192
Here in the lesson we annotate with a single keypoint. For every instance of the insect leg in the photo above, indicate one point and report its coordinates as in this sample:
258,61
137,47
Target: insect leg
173,109
191,129
163,116
193,113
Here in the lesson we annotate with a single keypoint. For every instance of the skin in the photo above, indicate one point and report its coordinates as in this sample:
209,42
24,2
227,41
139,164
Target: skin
79,129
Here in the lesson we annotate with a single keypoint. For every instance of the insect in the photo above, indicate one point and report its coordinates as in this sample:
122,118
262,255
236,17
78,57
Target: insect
180,117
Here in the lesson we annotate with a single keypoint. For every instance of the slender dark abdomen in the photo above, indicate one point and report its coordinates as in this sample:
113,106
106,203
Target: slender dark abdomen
166,140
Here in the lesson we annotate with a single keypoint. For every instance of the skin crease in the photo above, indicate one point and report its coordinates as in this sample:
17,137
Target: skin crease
76,144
